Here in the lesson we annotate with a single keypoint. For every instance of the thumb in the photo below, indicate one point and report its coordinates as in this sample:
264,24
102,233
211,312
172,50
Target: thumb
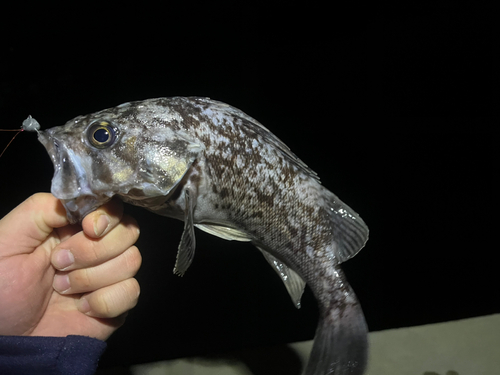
29,224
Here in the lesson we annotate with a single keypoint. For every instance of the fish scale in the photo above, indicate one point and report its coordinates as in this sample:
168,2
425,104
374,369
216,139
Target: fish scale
218,169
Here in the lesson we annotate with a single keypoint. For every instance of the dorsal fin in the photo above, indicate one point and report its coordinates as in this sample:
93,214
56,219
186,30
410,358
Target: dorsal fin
350,232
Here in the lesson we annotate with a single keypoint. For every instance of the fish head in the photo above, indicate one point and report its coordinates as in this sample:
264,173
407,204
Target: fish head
118,151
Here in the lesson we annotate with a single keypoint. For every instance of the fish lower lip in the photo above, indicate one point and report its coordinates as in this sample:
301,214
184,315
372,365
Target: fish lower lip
79,207
71,205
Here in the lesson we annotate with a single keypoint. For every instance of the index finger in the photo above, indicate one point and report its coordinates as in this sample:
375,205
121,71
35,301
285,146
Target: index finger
29,224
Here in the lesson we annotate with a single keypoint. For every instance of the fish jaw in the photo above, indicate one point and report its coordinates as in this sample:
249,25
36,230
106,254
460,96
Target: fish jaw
78,208
70,183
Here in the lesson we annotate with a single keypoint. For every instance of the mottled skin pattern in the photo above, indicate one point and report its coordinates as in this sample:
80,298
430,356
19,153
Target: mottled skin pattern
243,178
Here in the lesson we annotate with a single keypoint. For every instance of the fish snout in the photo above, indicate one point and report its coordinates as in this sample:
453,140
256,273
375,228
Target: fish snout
71,182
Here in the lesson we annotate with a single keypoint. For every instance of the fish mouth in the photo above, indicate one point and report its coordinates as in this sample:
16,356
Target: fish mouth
70,183
79,207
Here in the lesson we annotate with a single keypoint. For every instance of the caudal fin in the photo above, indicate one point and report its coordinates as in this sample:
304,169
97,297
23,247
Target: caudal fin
341,342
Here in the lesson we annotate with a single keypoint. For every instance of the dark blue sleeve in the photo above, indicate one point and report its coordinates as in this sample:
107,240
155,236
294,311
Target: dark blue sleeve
49,355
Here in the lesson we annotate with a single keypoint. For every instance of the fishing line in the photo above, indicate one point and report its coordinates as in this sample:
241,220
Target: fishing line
30,125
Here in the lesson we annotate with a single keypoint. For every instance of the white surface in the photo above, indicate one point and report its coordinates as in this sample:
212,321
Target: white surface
463,347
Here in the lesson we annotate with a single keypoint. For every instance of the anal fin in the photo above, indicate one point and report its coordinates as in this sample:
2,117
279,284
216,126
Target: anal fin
293,282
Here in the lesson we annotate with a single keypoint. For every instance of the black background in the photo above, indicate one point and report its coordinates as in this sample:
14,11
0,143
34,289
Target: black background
396,112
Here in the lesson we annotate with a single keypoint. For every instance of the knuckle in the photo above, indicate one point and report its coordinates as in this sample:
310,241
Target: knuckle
35,198
82,280
115,301
103,307
92,252
38,198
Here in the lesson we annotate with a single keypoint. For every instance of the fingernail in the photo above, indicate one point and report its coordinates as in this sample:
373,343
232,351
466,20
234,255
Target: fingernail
63,259
83,305
61,283
101,224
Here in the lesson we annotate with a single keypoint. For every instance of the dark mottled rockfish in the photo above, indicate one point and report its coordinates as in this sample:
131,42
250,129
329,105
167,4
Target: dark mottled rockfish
216,168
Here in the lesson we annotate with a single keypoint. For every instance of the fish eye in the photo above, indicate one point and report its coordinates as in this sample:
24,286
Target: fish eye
102,134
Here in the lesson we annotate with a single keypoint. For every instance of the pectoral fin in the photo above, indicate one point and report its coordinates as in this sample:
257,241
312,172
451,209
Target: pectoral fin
185,253
293,282
224,232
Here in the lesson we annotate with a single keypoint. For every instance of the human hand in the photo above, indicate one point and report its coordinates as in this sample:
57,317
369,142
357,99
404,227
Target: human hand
40,295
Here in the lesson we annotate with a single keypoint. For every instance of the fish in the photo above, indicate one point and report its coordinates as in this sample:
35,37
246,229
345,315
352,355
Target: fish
217,169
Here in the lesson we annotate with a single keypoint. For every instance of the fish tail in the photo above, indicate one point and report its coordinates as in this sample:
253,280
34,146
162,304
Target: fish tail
341,341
